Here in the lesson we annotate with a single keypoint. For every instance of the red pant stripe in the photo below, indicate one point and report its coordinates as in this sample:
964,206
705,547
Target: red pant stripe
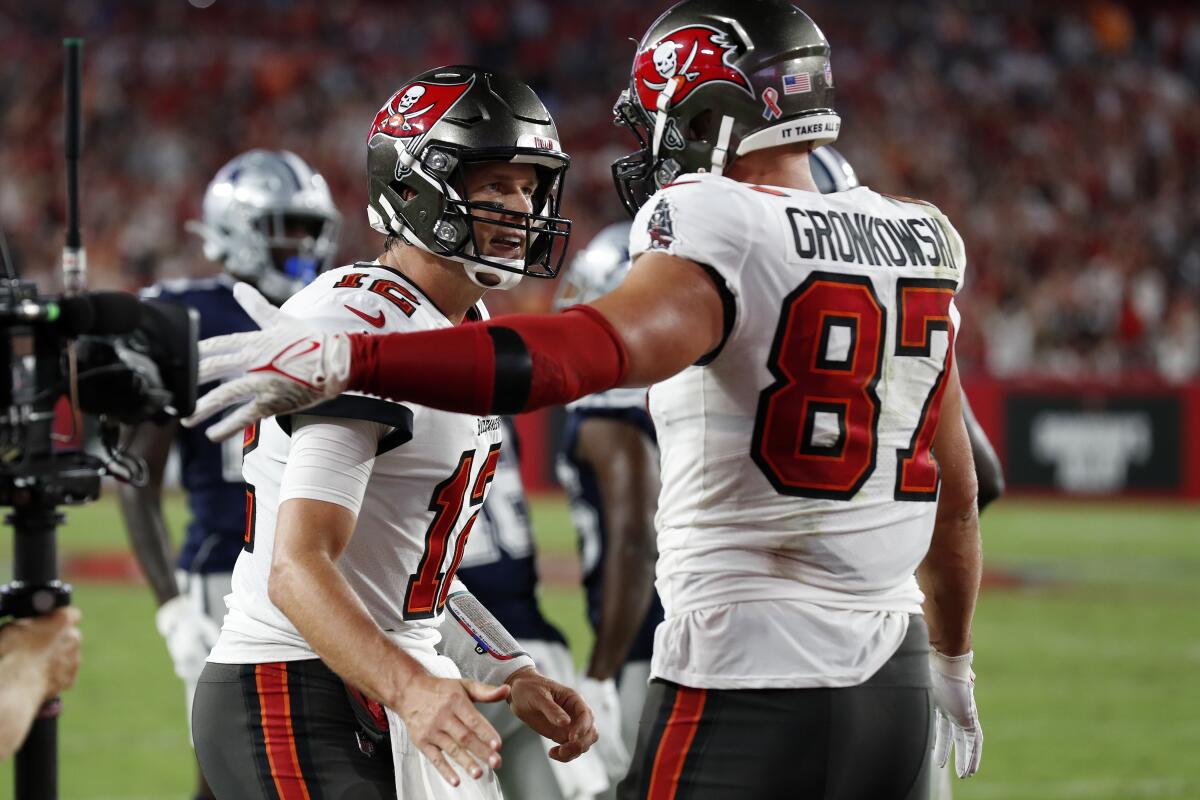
276,716
675,742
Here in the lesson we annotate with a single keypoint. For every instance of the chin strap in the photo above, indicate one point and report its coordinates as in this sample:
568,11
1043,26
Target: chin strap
663,103
721,152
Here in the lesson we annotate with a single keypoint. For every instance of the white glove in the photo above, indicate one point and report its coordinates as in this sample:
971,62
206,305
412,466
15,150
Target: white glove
954,704
190,636
280,369
602,698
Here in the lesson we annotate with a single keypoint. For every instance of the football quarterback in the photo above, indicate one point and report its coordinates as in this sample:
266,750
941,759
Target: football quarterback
339,670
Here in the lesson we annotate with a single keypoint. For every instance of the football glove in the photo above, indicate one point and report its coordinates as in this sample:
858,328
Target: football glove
190,636
284,367
602,698
956,716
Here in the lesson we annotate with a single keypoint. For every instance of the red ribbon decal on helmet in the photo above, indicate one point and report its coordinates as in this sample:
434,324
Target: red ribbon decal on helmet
416,108
770,98
691,56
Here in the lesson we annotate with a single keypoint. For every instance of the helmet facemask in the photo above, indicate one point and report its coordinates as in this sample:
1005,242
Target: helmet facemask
543,233
299,244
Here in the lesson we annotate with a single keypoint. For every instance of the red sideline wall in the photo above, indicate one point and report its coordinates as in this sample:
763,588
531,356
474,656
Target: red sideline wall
1132,435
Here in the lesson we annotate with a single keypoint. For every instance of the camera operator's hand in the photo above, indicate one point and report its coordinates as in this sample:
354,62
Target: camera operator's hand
190,636
50,647
38,660
280,369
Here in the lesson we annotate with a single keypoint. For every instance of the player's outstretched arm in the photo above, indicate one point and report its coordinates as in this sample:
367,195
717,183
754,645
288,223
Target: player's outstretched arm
634,336
950,577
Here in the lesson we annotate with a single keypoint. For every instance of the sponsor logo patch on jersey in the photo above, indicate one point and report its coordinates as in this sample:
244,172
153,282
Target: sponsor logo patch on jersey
692,57
411,112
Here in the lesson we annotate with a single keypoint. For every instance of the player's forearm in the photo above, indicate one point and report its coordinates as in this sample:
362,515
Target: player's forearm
515,364
627,588
149,538
312,592
22,688
950,576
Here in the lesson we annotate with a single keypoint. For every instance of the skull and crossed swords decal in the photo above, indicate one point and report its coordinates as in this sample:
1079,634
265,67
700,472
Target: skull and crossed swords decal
409,99
666,61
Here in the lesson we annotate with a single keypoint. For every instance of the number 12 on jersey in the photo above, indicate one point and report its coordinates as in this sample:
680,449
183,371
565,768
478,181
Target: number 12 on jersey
427,588
815,433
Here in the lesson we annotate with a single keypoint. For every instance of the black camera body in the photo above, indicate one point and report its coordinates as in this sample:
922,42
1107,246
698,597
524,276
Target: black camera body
119,359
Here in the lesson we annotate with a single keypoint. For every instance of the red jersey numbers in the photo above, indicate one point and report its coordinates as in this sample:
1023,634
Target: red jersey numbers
924,308
815,434
395,293
427,589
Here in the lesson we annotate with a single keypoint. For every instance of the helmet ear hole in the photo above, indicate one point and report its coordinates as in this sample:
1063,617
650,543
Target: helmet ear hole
700,127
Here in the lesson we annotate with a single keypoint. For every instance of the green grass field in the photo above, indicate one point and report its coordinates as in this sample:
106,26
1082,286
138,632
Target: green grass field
1086,666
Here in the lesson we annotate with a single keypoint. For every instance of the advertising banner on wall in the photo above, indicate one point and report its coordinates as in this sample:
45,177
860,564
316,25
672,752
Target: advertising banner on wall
1133,437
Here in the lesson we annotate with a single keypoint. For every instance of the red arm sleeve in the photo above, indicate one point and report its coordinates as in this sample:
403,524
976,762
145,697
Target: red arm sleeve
504,366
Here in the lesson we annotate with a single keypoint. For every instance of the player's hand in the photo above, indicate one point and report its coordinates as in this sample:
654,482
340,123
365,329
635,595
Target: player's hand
283,368
50,645
957,718
555,711
190,636
602,698
444,724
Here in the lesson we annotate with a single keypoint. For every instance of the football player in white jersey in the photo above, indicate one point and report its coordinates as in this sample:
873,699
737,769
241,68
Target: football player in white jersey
358,511
814,458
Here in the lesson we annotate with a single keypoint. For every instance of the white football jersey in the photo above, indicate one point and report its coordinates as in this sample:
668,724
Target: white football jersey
427,483
796,460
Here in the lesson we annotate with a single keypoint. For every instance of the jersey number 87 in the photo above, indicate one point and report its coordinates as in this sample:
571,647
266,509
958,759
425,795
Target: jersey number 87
816,428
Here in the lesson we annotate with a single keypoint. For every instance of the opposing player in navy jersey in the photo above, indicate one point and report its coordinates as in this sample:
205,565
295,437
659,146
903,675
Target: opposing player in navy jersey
499,567
608,465
269,220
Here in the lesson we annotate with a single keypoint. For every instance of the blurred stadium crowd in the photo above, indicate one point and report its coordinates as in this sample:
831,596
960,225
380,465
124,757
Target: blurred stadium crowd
1063,139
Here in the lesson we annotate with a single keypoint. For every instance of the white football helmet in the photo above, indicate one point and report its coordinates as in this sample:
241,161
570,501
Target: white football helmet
270,219
597,269
831,171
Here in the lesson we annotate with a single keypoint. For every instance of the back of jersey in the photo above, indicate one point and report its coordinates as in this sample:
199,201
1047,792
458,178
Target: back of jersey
797,455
